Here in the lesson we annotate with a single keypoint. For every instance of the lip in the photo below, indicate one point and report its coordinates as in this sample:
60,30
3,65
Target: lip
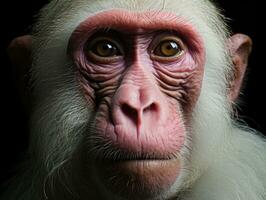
139,178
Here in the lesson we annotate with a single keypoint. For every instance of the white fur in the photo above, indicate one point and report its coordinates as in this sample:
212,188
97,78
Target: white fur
227,160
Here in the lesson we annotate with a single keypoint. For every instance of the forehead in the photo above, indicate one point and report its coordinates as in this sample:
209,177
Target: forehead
125,20
180,7
136,5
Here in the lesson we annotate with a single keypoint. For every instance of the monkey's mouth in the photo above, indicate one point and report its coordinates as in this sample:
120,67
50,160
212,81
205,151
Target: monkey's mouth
139,178
112,153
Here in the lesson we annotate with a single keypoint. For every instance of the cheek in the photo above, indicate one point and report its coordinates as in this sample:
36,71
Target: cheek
86,90
98,81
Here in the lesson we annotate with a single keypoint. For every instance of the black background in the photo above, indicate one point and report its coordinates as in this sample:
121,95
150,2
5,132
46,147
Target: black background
16,20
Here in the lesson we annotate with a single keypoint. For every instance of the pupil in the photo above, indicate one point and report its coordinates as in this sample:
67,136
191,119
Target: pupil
169,47
107,47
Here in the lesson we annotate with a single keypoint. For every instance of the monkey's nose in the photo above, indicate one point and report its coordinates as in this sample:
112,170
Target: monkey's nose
140,112
137,108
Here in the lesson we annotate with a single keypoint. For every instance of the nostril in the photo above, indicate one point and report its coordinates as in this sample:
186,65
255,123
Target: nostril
151,108
136,116
130,112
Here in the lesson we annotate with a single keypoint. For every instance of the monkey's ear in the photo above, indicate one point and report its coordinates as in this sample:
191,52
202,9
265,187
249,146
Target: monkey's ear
20,53
239,47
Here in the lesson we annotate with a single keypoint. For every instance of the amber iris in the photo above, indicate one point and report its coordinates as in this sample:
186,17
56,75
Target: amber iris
168,48
105,48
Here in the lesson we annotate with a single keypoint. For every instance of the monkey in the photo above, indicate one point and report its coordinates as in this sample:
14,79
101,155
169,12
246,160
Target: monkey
134,100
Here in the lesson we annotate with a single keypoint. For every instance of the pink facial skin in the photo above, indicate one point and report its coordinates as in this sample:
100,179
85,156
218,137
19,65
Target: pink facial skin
142,102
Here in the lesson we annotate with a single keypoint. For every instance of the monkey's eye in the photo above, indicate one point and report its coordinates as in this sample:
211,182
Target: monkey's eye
169,48
104,48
